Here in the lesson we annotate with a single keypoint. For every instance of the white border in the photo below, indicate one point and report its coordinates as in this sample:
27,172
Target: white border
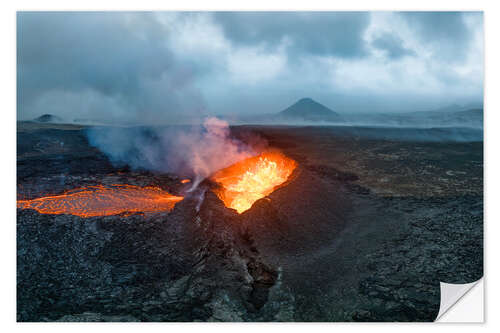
8,137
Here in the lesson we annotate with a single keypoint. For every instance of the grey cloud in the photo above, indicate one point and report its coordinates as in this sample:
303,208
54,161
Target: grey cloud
392,45
445,31
119,55
318,33
127,65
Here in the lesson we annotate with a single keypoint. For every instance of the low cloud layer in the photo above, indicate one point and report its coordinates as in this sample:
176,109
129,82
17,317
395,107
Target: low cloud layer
167,67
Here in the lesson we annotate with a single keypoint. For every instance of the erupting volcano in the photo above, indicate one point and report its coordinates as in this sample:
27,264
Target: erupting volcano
104,200
251,179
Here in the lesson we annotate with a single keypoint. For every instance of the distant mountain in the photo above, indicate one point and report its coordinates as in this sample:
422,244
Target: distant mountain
451,108
463,118
473,113
309,110
448,109
48,118
473,117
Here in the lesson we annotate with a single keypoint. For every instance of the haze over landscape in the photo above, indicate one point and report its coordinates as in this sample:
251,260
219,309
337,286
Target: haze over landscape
170,67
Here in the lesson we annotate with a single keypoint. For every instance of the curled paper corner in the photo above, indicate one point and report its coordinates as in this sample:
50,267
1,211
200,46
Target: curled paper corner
456,306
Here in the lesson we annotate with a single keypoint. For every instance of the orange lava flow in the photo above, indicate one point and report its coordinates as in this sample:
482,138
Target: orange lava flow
103,200
253,178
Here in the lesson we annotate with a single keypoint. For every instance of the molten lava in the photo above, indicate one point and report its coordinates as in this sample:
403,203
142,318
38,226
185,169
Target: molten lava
103,200
249,180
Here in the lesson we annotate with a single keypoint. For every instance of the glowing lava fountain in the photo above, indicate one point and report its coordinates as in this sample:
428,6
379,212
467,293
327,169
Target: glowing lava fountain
253,178
104,200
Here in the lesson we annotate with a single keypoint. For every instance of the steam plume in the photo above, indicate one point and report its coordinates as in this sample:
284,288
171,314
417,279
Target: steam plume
196,151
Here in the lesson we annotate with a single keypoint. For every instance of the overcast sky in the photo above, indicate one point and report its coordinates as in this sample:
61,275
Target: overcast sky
153,67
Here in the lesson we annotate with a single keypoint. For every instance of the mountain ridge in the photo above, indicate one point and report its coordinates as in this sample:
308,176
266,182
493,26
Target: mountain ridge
308,109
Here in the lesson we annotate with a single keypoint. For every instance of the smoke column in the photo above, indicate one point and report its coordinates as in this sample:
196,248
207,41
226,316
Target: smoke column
196,151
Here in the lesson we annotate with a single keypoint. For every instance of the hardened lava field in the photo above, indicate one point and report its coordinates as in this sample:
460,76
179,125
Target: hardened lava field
346,225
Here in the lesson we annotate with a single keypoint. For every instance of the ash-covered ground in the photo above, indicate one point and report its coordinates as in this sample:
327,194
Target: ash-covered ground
364,230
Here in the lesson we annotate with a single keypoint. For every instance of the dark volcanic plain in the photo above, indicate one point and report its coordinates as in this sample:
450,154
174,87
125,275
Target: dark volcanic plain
368,225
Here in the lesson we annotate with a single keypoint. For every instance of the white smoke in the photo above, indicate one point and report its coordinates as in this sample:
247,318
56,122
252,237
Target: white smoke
212,149
196,151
